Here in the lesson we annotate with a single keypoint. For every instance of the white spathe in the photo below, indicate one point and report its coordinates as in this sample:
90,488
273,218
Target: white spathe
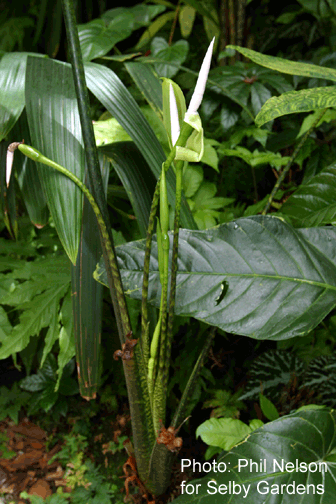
9,164
197,96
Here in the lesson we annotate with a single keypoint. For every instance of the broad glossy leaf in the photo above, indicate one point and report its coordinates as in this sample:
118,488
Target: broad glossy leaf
96,39
222,432
56,132
297,101
302,438
259,95
287,66
281,281
176,53
116,98
228,118
314,203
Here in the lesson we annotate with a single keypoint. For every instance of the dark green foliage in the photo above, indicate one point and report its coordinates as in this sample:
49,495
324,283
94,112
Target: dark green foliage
266,265
46,393
11,402
224,404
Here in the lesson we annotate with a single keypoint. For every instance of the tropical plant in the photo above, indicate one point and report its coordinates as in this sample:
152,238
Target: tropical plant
257,276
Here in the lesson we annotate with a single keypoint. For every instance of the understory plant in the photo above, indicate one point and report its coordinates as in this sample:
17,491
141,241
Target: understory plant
266,277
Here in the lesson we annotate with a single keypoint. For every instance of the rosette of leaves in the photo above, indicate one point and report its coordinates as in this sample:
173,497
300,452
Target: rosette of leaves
270,373
42,385
320,377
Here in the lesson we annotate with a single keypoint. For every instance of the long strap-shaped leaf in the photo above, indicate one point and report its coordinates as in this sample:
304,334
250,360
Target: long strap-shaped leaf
12,85
87,300
96,183
112,93
287,66
133,173
55,130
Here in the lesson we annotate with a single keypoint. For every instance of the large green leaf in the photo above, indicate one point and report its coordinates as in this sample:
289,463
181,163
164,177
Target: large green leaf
12,84
87,299
116,98
297,101
288,460
96,39
287,66
175,53
56,132
314,203
279,282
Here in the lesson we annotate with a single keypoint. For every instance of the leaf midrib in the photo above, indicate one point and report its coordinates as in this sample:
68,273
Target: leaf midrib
243,275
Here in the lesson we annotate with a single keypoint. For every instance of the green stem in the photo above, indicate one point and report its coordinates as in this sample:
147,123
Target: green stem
108,245
289,164
152,359
184,135
187,393
96,183
145,282
136,378
35,155
179,168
